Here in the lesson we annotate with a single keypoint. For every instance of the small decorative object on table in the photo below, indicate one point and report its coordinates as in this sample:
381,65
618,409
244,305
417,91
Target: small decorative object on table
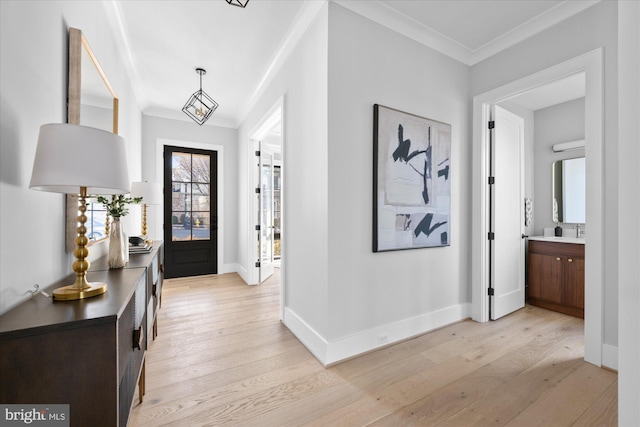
558,229
116,207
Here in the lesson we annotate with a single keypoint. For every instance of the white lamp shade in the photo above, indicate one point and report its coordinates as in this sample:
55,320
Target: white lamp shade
71,156
151,192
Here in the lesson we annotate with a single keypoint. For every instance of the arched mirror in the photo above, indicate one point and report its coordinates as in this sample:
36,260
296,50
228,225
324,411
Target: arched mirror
91,102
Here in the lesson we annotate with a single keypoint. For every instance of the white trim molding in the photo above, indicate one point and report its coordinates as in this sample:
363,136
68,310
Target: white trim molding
610,356
159,153
592,64
389,17
340,349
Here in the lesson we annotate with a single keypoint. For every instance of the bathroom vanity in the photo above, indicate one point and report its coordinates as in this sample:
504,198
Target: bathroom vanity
556,274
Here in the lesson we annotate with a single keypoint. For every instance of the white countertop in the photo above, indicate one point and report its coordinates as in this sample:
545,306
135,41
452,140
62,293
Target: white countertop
579,241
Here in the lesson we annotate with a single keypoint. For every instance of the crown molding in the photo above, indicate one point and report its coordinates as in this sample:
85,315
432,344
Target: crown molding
121,37
400,23
392,19
180,116
308,13
530,28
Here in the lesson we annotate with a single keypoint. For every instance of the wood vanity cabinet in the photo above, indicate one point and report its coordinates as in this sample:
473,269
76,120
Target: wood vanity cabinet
88,353
556,276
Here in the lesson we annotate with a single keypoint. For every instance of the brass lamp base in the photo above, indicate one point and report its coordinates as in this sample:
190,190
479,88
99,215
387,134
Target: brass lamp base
81,289
71,292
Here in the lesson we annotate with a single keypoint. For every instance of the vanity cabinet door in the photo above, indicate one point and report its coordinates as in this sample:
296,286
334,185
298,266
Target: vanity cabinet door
556,277
545,277
574,282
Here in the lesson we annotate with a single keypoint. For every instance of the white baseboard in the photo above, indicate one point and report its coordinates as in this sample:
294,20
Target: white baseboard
610,356
241,271
330,352
312,340
231,268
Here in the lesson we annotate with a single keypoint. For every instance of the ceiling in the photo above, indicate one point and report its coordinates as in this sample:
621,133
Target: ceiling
240,48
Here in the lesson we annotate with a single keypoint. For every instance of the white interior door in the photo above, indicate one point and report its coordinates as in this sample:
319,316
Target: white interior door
507,255
265,213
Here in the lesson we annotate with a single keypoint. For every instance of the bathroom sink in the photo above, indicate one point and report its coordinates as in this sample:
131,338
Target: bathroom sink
563,239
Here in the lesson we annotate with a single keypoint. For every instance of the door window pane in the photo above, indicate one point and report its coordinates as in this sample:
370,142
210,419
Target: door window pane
181,167
200,198
201,167
266,224
201,227
181,226
181,197
191,200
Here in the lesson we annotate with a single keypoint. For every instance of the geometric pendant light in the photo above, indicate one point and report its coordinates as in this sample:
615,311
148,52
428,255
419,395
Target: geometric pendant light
240,3
200,106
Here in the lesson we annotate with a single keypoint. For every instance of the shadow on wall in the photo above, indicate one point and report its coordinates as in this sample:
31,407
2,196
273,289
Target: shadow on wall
9,146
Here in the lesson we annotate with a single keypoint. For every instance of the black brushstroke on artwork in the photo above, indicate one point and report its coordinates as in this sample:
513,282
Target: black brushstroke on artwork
402,153
425,191
425,226
444,172
444,238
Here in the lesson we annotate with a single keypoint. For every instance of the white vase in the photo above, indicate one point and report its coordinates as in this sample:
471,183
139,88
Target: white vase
118,248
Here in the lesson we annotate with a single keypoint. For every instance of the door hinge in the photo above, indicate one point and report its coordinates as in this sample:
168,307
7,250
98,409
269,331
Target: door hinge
257,190
490,292
492,180
258,227
491,235
492,124
258,153
258,264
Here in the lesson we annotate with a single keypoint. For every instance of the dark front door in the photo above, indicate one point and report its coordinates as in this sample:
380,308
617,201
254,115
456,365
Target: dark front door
190,214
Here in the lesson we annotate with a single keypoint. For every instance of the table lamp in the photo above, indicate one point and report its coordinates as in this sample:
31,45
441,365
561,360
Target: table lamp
60,166
151,193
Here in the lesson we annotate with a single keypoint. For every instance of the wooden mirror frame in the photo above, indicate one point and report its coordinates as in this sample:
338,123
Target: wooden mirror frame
78,46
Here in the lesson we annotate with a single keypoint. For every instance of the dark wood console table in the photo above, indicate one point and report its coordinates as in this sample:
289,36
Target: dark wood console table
87,353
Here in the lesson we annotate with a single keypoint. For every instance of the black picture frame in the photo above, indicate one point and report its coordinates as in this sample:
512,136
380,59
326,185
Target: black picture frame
411,181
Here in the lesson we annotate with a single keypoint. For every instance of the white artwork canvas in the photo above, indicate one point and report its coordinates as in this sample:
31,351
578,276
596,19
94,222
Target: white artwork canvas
412,181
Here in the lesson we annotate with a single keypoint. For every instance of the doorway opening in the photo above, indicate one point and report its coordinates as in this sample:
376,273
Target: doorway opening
591,65
266,205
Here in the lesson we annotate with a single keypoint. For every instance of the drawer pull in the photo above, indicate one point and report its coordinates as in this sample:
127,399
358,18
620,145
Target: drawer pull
154,289
570,260
138,337
558,259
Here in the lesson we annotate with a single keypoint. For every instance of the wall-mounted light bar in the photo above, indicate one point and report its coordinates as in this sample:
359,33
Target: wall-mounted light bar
571,145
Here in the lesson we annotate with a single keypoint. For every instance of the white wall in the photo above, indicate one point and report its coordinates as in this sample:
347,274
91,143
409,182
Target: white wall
593,28
155,128
33,87
339,296
403,293
302,80
558,123
629,211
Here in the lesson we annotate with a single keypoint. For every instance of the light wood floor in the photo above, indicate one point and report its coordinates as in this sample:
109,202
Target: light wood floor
222,357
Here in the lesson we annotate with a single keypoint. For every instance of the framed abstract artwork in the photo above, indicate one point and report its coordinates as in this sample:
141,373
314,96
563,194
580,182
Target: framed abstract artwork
411,181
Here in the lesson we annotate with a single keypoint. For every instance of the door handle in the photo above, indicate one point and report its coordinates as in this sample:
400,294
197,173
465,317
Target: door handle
524,236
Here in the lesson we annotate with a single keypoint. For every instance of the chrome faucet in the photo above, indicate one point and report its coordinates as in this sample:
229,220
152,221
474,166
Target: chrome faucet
579,230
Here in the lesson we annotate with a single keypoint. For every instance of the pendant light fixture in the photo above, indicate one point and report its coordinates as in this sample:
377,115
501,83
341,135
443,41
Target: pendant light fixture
200,106
239,3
